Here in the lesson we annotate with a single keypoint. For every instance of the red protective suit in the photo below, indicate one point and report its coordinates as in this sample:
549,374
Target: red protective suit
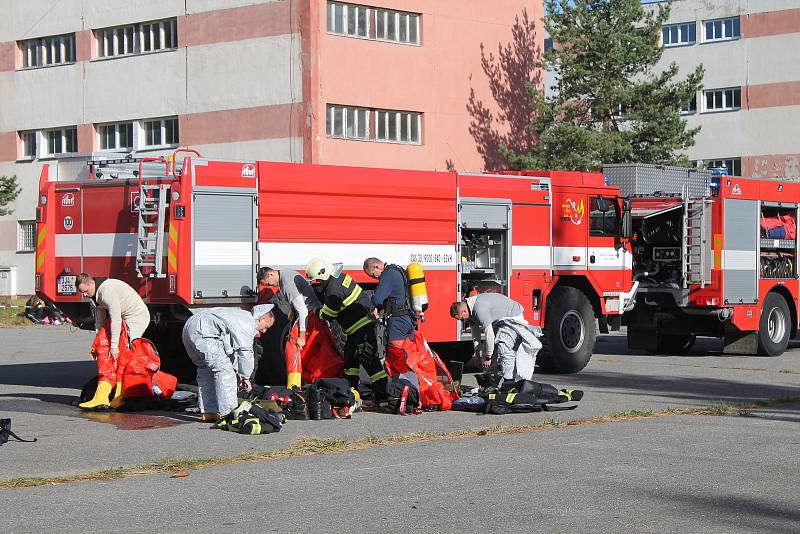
319,358
433,375
106,365
137,366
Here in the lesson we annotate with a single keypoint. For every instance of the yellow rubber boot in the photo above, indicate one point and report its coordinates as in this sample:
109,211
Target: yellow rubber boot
100,396
294,379
118,399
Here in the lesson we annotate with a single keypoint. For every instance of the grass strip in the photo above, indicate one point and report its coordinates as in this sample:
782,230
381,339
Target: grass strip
311,446
12,312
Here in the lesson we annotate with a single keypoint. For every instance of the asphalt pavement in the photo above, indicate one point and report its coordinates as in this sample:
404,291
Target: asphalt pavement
736,473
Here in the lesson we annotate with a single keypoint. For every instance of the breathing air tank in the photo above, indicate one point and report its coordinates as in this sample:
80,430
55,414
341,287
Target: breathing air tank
416,287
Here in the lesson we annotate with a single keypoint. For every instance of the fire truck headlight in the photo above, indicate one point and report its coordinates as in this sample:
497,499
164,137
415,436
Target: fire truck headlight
176,196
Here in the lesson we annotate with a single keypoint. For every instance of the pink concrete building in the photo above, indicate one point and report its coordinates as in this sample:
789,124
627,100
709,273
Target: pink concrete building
387,83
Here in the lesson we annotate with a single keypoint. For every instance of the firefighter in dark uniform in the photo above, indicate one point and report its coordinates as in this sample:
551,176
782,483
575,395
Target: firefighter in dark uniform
391,295
344,301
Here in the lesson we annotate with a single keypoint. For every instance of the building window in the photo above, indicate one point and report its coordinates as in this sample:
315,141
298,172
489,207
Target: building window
47,51
721,29
372,23
161,132
26,236
118,136
348,122
679,34
722,99
373,124
734,165
29,145
691,107
61,141
137,38
398,126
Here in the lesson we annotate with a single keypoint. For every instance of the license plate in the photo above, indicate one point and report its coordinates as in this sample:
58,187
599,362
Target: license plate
65,285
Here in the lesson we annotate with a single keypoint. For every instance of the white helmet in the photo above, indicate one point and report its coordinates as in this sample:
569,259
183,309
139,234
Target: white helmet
319,269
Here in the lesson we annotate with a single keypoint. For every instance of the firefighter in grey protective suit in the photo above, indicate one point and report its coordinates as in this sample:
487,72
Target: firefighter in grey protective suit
219,342
511,343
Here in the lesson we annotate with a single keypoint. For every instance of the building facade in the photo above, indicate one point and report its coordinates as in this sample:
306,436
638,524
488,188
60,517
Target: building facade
383,83
749,106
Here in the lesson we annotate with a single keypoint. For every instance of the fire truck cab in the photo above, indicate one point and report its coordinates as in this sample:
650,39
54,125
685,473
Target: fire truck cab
189,232
714,255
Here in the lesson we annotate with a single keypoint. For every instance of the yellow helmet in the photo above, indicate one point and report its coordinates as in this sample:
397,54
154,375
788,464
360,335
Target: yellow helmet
319,269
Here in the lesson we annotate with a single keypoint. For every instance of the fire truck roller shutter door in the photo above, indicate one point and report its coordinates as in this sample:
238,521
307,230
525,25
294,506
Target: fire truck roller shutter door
740,254
224,244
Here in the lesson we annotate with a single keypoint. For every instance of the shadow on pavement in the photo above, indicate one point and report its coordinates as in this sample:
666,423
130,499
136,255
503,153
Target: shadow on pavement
48,375
738,512
617,345
708,390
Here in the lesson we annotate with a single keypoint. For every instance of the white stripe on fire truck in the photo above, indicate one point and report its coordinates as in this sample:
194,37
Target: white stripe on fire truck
95,245
530,257
352,255
605,258
215,253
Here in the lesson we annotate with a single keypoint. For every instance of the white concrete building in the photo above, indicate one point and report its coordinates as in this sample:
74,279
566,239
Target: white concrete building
749,107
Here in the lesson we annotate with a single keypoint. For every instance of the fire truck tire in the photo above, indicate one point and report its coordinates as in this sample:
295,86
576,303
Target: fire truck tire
569,332
774,328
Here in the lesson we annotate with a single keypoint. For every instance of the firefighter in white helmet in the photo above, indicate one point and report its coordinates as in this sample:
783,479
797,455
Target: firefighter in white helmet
345,302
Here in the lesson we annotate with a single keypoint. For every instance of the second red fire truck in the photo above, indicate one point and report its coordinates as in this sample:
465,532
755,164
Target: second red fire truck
714,255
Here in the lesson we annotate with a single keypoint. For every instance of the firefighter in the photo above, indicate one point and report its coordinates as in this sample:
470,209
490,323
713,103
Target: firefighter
508,335
391,295
219,342
310,350
345,302
116,302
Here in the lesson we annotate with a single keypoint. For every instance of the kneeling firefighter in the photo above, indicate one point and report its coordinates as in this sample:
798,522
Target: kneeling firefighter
345,302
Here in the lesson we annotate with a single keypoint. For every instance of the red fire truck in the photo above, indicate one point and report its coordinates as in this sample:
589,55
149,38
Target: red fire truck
714,255
191,233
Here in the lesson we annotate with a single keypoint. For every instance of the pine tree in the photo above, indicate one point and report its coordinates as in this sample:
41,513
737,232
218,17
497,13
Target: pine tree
9,190
609,104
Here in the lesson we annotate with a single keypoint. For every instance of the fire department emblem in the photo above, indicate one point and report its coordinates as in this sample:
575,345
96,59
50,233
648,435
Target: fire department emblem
68,223
68,200
736,189
248,170
572,211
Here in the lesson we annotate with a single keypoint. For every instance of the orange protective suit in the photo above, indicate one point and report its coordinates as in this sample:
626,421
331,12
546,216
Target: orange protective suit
319,358
433,375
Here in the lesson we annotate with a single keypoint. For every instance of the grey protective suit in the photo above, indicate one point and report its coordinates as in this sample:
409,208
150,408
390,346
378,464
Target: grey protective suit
510,341
220,343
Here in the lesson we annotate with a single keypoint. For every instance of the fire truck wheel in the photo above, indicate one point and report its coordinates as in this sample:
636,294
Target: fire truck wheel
569,332
774,329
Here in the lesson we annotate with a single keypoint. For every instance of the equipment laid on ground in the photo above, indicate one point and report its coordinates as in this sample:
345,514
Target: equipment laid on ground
718,260
190,233
6,433
521,396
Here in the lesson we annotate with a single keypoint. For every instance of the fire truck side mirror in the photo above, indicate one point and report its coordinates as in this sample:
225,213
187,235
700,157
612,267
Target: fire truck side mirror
627,218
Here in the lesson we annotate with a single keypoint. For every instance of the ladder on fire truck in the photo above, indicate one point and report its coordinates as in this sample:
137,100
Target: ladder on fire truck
153,206
695,244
